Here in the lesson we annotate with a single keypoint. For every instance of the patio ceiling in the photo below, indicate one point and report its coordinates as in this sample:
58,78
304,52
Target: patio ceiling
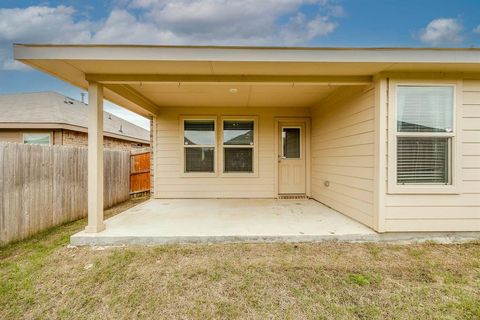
146,78
232,94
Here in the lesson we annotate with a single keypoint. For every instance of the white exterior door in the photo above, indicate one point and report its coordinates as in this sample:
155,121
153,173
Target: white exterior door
291,158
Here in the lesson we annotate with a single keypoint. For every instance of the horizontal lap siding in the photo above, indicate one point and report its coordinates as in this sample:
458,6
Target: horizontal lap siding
171,183
448,212
10,136
343,155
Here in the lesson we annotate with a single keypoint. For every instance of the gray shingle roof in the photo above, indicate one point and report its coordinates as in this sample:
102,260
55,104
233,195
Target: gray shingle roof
54,108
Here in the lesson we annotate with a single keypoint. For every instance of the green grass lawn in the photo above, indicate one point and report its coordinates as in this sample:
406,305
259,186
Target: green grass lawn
42,278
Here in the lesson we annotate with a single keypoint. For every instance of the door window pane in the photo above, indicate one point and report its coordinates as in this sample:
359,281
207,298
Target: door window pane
425,109
422,160
238,159
238,132
199,159
36,138
199,132
291,143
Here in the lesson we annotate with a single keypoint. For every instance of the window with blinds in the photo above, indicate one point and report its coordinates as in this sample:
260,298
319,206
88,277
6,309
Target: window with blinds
199,145
424,134
238,145
422,160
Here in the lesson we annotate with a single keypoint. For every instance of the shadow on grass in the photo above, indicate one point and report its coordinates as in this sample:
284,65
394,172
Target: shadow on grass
44,241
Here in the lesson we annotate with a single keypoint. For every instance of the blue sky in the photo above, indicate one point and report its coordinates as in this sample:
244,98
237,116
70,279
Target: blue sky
350,23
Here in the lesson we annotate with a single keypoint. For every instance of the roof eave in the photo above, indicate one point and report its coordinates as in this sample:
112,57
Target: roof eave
56,126
25,52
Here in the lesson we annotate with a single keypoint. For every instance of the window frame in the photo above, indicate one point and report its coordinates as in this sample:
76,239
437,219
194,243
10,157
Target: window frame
300,127
182,120
50,138
222,147
454,138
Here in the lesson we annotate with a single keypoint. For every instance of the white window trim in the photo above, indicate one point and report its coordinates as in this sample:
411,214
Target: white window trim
455,165
255,147
182,147
50,137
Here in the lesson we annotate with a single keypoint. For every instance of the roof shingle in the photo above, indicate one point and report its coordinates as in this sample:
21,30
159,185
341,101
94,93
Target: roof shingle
54,108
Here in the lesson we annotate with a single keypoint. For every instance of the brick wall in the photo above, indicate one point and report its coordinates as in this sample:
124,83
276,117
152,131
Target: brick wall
80,139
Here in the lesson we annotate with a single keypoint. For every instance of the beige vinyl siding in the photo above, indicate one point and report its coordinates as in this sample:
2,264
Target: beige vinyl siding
447,212
170,182
16,135
10,136
343,153
57,137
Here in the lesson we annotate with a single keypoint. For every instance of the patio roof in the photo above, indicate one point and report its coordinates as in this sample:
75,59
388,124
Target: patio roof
143,78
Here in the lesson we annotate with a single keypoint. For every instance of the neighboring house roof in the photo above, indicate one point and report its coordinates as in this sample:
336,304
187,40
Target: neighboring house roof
241,138
53,110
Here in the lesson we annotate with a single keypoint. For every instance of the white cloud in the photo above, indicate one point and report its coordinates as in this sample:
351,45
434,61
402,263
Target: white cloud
252,22
123,27
320,27
309,29
443,31
42,24
38,25
477,29
212,22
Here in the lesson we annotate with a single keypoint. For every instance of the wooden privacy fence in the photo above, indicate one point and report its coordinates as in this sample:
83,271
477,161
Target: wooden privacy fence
140,172
44,186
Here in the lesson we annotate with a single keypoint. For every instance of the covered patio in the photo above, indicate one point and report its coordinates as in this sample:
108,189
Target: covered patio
273,90
235,129
163,221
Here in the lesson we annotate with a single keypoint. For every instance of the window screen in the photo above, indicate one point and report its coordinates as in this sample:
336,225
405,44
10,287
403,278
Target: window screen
424,134
238,159
199,145
238,145
199,159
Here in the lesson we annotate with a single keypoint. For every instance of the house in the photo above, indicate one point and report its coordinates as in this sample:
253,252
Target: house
54,119
389,137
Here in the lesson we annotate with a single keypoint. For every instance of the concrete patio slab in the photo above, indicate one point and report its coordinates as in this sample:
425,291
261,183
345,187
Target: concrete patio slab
240,220
159,221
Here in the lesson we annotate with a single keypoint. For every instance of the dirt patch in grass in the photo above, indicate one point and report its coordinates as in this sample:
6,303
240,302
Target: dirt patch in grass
43,278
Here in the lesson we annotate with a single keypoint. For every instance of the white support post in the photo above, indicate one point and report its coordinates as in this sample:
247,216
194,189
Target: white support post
379,188
95,158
